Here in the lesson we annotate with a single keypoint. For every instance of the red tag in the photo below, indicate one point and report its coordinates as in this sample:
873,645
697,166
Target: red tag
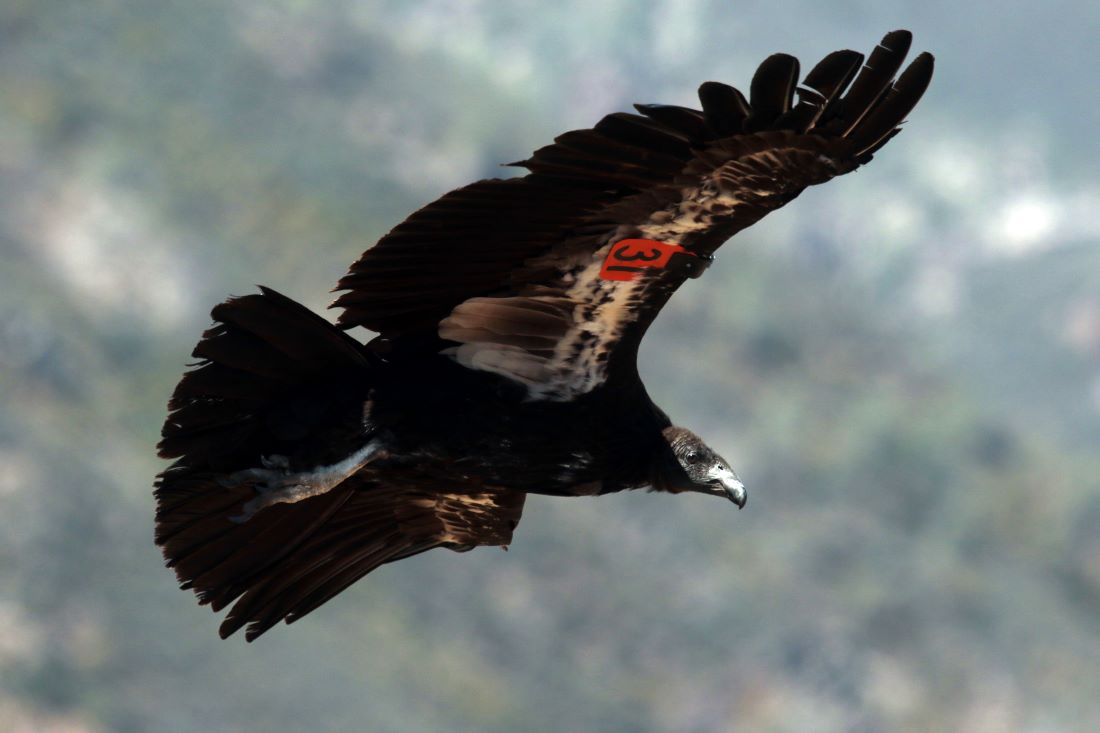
629,257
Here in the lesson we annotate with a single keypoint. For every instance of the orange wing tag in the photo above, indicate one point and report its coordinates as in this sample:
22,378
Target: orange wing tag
629,257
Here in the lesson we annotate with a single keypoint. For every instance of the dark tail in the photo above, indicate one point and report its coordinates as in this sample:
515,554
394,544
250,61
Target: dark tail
273,379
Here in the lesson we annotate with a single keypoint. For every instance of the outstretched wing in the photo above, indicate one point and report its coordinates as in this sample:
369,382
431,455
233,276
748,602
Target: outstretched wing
550,280
289,559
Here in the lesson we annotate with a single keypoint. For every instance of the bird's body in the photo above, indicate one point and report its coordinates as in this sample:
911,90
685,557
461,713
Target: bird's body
509,315
487,428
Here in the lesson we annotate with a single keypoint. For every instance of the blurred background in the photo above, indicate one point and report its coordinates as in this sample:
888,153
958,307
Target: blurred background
904,367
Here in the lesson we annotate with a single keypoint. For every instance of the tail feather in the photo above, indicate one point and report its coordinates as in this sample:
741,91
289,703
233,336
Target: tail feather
273,378
265,353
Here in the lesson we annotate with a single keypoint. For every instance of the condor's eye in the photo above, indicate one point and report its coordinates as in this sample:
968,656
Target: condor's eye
693,457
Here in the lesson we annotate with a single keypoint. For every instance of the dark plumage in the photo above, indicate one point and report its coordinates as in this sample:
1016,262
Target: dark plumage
509,315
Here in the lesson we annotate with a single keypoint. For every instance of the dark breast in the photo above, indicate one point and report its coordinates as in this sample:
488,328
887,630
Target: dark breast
471,425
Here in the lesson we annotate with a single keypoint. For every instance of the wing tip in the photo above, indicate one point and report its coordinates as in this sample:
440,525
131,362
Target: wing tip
898,40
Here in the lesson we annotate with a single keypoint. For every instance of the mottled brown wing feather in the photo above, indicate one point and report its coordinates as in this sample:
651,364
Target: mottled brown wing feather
466,243
271,377
596,324
481,240
289,559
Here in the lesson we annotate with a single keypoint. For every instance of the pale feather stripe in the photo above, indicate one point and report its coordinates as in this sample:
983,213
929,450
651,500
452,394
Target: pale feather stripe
600,309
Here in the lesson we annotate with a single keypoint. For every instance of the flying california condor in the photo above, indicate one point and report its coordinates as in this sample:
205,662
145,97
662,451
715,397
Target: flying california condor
509,315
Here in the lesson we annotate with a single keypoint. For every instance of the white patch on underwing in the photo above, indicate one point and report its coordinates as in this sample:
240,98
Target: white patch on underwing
595,312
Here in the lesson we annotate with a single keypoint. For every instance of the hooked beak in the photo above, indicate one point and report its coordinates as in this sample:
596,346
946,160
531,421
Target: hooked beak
728,485
735,491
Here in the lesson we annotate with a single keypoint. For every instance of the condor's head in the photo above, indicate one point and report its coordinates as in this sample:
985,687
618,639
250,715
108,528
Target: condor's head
695,467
